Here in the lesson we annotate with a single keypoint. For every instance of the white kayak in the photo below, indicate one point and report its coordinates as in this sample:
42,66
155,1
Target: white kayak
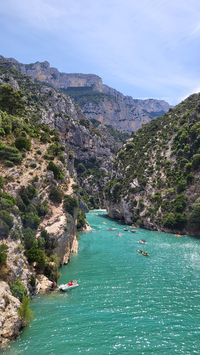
68,286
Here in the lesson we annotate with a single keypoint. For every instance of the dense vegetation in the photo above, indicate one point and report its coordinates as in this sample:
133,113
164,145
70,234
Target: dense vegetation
157,171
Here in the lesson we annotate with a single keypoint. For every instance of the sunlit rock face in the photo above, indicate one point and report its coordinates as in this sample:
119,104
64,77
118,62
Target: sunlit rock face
96,100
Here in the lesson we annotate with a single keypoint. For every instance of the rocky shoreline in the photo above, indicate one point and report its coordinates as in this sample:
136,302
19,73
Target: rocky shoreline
10,321
123,214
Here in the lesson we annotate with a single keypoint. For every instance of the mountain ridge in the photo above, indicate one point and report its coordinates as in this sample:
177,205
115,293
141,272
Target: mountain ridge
96,100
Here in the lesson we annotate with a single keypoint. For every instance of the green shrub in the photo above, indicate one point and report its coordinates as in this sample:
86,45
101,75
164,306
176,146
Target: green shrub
80,219
57,171
3,254
23,143
7,218
18,289
27,194
56,194
7,202
15,234
4,229
81,169
37,255
24,310
11,154
44,137
31,220
194,216
174,220
169,220
29,238
116,190
70,203
50,243
11,100
180,203
196,161
42,209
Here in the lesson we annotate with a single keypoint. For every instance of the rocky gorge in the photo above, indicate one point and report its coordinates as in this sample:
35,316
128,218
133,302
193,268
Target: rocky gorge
51,159
61,155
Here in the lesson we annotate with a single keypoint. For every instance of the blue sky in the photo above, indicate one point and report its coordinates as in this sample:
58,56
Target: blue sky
146,48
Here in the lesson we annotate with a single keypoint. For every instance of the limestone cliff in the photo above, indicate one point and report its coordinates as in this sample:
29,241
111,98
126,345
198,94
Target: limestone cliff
97,101
38,208
10,323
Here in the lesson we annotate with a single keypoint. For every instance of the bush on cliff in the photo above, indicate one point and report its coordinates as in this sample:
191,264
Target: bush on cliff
80,219
30,220
4,229
7,218
24,311
194,216
11,100
27,194
49,242
56,194
70,203
3,254
7,202
37,255
196,161
18,289
11,154
57,171
23,143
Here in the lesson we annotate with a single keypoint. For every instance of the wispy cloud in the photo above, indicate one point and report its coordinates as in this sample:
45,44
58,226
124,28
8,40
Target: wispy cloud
144,48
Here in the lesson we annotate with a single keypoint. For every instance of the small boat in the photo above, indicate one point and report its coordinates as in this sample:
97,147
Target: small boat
68,286
126,229
143,252
132,231
142,241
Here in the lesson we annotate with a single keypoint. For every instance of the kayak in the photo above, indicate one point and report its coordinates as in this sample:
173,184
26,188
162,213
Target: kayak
68,286
143,252
142,241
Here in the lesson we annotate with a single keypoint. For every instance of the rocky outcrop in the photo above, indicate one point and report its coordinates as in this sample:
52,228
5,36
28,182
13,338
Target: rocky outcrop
10,323
43,284
97,101
121,112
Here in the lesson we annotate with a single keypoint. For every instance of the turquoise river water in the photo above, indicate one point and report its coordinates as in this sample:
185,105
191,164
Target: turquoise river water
126,303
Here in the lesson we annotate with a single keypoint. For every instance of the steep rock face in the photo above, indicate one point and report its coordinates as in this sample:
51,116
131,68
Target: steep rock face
87,142
36,232
10,323
122,112
97,101
156,175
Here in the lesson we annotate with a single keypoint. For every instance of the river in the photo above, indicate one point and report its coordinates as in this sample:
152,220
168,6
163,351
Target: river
126,303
